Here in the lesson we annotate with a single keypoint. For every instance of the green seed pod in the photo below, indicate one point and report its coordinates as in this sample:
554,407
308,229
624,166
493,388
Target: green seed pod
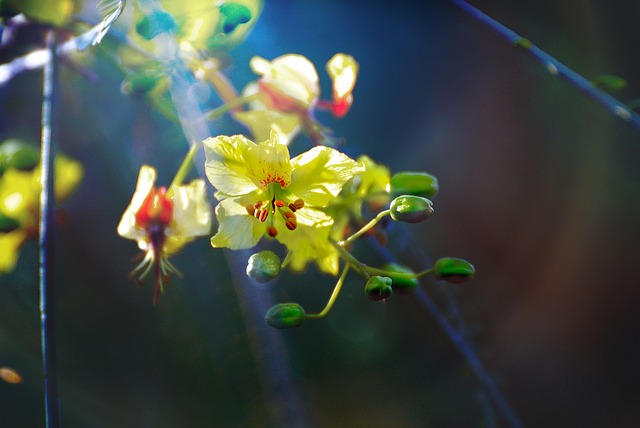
263,266
19,155
400,284
411,209
414,183
285,315
454,270
378,288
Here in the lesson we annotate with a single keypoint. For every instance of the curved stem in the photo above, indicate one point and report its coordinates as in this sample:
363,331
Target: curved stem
50,110
384,272
365,228
553,66
184,169
334,296
347,257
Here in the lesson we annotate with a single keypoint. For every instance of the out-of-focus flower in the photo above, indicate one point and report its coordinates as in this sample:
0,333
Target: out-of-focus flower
367,191
162,221
289,92
20,204
262,191
343,70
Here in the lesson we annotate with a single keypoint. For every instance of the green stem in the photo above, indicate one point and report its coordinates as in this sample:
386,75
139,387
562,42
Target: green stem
384,272
184,169
347,257
364,229
231,105
333,297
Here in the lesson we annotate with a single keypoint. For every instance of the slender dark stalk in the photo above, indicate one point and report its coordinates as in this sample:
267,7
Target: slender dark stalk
50,109
553,66
467,352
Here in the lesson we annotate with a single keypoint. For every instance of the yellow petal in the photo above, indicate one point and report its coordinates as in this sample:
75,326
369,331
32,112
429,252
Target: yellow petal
237,230
127,227
269,162
307,244
343,70
262,122
292,75
191,215
225,165
10,244
68,175
19,194
319,174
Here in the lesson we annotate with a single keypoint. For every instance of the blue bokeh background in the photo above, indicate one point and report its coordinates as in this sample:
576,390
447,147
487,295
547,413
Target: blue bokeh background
538,189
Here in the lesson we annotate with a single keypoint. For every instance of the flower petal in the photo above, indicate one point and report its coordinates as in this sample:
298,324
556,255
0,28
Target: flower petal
191,215
262,122
237,230
269,162
307,244
127,228
318,175
293,75
343,70
9,249
225,165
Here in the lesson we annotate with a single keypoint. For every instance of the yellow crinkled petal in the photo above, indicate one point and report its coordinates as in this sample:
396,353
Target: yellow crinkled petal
225,165
343,70
68,175
19,194
237,230
307,244
319,174
10,244
292,74
269,162
191,215
127,227
312,217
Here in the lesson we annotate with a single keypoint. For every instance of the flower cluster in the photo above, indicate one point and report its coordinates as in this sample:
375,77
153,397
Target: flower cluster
20,190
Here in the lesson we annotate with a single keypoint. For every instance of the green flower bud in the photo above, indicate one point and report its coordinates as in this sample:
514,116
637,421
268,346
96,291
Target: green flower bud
19,155
400,284
8,224
285,315
155,24
263,266
378,288
411,209
414,183
234,14
454,270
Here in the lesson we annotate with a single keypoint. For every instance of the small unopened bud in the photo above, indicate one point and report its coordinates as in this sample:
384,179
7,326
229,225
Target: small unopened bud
378,288
263,266
285,315
414,183
19,155
8,224
454,270
400,284
411,209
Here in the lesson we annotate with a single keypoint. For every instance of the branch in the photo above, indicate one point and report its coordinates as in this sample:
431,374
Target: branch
50,110
553,66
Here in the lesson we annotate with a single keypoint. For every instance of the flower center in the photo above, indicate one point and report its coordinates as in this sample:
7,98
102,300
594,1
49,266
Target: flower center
154,215
267,211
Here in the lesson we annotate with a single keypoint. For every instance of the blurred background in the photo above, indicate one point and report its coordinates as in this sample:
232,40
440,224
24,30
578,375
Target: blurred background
539,190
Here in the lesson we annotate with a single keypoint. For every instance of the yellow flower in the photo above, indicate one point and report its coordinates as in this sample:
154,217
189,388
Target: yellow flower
20,204
162,221
289,91
262,191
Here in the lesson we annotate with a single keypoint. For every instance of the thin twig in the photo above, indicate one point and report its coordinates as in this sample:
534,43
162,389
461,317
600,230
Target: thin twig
463,348
50,109
553,66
